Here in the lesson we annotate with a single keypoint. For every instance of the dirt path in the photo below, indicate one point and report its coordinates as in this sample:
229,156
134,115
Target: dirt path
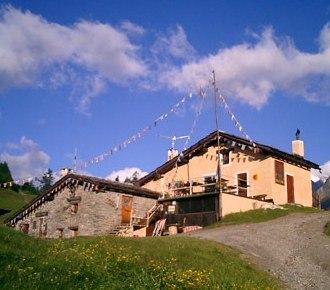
293,248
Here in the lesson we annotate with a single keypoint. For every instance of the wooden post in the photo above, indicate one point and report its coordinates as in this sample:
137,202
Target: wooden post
218,143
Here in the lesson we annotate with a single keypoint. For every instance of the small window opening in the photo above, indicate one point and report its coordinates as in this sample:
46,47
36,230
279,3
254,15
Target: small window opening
225,156
74,232
74,208
60,233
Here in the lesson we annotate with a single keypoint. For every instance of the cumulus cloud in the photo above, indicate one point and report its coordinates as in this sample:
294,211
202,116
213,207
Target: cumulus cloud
323,175
250,72
89,56
126,172
25,159
31,46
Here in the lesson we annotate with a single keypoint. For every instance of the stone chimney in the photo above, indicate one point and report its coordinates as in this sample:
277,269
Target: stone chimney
171,153
298,145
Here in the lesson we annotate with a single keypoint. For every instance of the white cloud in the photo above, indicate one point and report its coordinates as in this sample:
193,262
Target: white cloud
31,48
25,159
175,44
132,28
324,174
89,56
126,172
250,72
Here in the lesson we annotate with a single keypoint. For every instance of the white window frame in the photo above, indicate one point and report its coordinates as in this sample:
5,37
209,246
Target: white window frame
247,182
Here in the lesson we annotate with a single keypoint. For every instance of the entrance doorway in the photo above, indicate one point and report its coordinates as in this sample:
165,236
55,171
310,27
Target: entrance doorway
290,188
126,209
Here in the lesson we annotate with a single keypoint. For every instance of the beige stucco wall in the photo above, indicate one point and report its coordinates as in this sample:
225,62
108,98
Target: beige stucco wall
260,173
233,203
98,213
302,185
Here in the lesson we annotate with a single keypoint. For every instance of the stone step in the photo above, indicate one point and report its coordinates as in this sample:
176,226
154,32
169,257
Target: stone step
118,229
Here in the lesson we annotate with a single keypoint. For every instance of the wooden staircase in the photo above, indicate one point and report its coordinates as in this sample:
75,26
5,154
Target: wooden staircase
150,216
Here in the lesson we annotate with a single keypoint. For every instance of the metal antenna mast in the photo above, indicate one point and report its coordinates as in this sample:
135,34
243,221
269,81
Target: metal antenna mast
218,142
75,160
174,139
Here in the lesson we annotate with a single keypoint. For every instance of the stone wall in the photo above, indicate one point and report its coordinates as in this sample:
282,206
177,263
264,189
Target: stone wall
97,213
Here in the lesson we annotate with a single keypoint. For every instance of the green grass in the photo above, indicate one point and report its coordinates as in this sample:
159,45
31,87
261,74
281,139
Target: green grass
13,201
124,263
261,215
327,228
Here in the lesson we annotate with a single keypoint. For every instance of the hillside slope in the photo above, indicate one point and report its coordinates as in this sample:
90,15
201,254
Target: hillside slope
124,263
13,201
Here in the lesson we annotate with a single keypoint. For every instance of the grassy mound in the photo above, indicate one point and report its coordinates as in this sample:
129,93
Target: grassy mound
12,201
118,263
262,215
327,229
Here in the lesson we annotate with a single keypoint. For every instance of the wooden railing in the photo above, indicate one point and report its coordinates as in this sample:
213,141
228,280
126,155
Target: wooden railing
145,221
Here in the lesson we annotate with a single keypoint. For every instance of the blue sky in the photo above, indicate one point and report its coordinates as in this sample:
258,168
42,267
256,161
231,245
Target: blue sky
89,74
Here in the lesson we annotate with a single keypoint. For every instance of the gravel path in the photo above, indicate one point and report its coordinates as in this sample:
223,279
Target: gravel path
293,248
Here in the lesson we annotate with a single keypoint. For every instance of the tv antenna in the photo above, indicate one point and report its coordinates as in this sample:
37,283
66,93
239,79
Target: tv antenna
174,139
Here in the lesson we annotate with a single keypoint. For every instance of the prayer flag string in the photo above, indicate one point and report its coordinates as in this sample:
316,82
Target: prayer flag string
134,138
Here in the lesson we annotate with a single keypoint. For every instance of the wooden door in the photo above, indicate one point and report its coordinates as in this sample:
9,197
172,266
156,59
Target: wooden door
290,188
126,209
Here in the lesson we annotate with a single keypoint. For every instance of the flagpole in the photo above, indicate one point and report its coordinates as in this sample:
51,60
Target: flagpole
218,144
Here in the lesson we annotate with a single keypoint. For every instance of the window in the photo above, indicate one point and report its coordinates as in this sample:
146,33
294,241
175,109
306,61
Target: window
242,184
74,208
34,225
75,232
60,233
224,156
24,228
279,172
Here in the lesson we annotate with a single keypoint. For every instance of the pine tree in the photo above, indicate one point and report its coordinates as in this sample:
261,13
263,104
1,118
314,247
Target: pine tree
46,180
134,177
5,174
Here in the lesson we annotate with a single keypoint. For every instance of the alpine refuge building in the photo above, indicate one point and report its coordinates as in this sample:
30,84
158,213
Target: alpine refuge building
253,175
184,191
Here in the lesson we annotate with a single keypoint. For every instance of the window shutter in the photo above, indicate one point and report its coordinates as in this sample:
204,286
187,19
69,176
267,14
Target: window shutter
279,172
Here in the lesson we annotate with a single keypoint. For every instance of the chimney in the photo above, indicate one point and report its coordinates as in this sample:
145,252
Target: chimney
65,171
171,153
298,145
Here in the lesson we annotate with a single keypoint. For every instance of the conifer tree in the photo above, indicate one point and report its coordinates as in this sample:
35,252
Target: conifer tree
5,174
46,180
